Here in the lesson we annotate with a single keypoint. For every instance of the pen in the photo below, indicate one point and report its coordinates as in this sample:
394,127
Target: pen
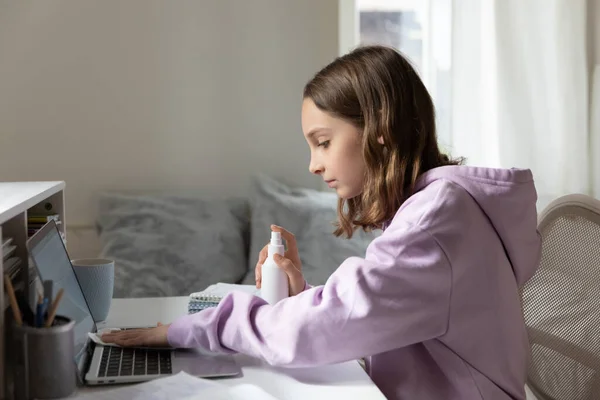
40,311
54,308
13,300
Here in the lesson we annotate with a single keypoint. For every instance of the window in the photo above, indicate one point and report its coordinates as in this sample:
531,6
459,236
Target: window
420,29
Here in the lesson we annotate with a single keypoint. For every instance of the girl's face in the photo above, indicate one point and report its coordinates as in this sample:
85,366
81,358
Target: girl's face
335,150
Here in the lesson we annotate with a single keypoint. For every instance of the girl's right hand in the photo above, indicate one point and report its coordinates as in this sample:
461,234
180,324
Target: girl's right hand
290,262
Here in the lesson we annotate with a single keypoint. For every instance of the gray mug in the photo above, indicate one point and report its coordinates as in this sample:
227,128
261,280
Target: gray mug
97,278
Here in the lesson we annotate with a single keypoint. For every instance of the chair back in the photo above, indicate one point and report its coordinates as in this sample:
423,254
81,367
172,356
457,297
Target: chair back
561,302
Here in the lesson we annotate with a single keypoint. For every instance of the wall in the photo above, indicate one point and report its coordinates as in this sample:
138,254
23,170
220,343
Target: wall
594,30
348,30
157,95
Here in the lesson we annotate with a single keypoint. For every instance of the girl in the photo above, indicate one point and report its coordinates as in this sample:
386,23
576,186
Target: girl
434,305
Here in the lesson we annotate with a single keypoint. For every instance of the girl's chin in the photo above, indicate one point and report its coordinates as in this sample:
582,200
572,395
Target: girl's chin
344,193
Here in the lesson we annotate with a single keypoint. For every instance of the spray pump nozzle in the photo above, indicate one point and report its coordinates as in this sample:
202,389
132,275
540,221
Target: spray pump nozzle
276,238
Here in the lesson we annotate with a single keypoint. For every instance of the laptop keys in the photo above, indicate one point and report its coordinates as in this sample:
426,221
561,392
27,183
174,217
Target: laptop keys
165,362
116,361
104,361
152,363
139,366
127,362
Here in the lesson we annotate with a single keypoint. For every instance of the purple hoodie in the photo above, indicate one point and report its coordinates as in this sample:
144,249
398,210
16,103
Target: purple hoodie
434,305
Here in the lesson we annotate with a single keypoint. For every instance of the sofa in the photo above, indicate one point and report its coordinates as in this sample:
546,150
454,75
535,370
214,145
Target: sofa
175,244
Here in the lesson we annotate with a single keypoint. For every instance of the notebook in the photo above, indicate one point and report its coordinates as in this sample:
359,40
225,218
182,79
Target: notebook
212,295
199,301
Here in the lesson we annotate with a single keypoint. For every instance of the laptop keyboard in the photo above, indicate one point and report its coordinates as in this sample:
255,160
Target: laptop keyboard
118,361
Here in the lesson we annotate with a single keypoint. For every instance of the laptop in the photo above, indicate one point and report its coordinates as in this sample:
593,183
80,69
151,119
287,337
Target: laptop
101,365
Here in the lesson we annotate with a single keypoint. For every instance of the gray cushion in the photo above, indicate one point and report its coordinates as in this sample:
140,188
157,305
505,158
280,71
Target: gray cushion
165,245
309,215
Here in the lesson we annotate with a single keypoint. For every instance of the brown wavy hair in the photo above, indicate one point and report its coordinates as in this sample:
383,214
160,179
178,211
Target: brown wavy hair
376,89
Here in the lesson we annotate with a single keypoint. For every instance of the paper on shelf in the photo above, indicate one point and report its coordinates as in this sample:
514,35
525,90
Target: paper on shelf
6,241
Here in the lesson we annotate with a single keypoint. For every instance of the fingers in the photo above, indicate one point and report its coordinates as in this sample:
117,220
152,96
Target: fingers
151,337
288,236
258,275
262,256
125,333
285,264
294,275
115,337
133,342
133,337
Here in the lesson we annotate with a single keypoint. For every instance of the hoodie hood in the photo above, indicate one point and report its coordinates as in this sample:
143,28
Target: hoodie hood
508,198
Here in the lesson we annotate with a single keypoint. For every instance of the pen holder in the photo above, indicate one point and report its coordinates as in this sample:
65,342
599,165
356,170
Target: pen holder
44,363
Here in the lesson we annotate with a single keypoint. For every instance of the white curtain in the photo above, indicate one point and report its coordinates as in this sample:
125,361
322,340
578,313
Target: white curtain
520,91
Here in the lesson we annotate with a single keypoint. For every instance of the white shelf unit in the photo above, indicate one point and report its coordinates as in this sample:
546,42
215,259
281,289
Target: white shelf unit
17,200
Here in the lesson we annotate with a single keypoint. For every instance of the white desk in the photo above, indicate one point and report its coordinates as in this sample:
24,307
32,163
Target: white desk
341,381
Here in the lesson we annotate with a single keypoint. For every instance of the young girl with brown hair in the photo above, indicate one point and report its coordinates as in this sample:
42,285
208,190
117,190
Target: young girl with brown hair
434,305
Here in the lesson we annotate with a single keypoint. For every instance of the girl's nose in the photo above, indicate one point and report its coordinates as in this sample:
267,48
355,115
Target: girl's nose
315,168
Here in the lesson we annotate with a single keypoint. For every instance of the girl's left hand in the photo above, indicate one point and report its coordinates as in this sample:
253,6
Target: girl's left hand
150,337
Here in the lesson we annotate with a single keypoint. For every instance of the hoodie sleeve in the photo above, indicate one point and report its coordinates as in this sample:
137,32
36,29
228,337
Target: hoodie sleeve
398,295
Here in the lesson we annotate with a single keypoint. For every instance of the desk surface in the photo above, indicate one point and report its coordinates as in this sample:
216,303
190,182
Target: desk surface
341,381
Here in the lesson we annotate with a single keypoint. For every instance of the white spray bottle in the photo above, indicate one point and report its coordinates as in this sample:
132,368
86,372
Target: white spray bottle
274,281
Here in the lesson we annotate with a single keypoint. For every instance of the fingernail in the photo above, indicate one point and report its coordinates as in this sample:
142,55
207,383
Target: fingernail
277,256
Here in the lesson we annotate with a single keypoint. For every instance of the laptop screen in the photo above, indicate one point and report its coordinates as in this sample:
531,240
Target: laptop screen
53,263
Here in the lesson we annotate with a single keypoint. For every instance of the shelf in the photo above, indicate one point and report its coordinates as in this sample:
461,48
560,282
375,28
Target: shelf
17,199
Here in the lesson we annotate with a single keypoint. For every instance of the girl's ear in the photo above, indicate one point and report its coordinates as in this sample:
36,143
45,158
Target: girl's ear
380,140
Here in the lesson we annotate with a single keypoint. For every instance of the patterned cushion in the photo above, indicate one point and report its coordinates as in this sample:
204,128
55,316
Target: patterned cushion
165,245
309,215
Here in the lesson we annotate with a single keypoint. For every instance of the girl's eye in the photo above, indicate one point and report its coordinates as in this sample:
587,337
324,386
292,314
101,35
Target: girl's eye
324,144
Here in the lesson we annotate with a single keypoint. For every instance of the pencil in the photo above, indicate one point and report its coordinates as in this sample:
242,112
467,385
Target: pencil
13,300
54,308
